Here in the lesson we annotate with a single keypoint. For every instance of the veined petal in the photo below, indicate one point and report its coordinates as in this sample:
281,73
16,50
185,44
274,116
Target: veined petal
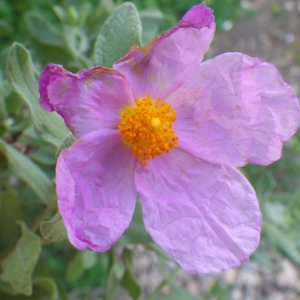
89,100
235,110
164,64
206,216
95,188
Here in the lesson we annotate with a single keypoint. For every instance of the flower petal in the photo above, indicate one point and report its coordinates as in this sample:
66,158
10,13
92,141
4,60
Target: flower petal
95,188
164,64
205,216
234,110
89,100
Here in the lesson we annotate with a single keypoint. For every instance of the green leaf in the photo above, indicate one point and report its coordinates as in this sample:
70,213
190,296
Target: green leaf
54,229
75,268
42,30
84,12
51,54
218,291
60,13
22,77
5,287
5,28
68,141
43,289
118,33
136,233
72,15
29,172
149,19
3,112
47,286
18,266
81,261
4,92
98,16
89,259
112,281
77,42
284,243
128,281
10,213
41,152
178,293
44,155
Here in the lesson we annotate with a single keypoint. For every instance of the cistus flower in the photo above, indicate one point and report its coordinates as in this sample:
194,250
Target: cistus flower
171,129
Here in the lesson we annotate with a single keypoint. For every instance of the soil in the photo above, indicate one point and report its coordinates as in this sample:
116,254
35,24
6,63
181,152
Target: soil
272,34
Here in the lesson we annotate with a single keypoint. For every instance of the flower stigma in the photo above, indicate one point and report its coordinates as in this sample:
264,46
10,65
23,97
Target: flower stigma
147,129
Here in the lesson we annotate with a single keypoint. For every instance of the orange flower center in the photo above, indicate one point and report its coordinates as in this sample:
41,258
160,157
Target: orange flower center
147,128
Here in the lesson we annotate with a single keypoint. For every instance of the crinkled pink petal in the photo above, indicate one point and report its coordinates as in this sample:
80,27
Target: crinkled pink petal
206,216
163,65
95,188
89,100
235,110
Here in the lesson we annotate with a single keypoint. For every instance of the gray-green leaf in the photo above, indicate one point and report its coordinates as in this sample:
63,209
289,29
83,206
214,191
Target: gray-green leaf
68,141
29,172
18,266
81,261
38,26
48,286
119,32
54,229
3,112
22,77
10,213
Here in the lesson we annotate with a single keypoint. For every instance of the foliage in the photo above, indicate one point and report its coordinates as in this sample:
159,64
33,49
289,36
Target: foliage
224,10
41,264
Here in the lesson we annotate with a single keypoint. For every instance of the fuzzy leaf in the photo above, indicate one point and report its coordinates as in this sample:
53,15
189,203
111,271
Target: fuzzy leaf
29,172
75,268
23,79
18,266
43,289
80,262
46,288
54,229
38,26
10,213
119,32
3,112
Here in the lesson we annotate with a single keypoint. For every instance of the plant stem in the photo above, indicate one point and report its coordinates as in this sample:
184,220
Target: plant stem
162,284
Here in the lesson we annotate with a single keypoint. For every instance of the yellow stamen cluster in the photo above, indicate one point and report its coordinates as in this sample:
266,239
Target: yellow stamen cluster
147,128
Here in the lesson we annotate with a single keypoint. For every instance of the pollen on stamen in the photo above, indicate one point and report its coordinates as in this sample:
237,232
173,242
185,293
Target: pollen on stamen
146,127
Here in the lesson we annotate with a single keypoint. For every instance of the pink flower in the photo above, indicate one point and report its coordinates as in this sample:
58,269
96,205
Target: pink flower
165,127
